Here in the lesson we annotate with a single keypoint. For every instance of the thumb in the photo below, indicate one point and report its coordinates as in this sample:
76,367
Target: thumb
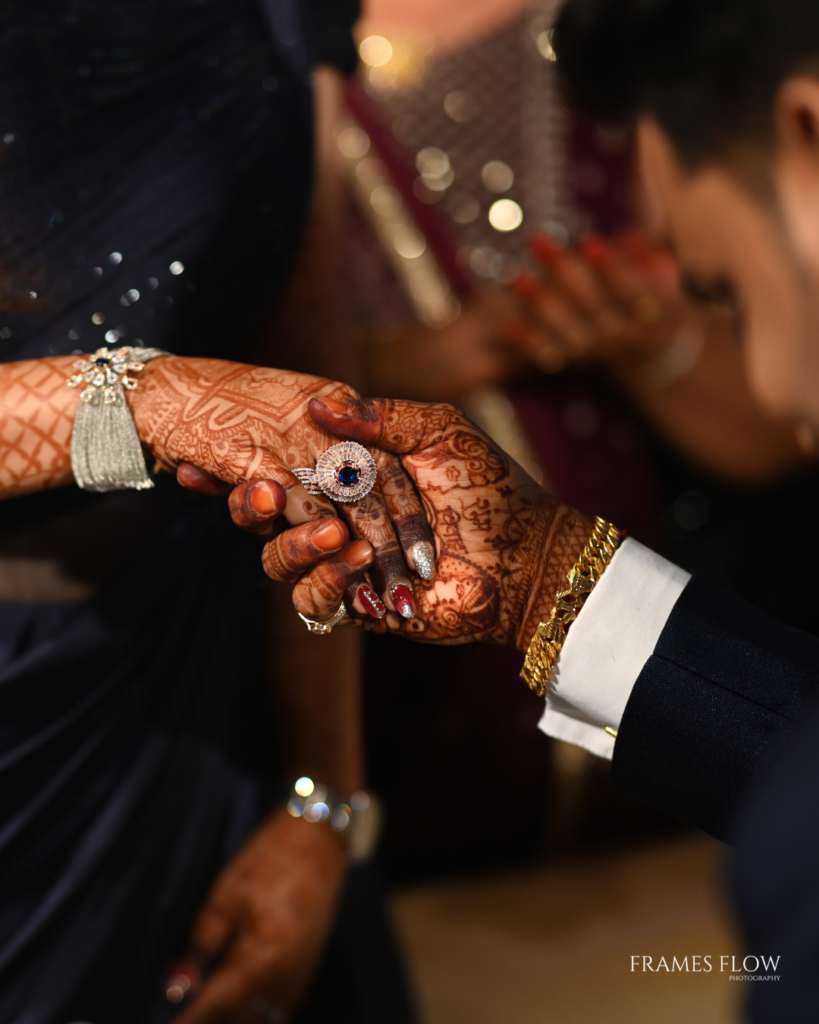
396,426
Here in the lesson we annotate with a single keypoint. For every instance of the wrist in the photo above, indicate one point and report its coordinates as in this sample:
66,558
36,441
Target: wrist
145,400
560,543
354,817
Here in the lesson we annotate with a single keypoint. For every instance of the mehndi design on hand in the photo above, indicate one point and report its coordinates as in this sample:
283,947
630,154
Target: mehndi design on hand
503,543
242,422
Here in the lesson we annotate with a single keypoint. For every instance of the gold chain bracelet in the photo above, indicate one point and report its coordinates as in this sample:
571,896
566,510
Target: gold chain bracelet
550,637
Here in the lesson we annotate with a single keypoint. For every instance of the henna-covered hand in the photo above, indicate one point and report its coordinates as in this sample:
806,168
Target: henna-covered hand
238,423
504,545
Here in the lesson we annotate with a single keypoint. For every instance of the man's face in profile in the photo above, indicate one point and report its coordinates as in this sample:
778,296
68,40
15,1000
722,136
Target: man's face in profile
755,247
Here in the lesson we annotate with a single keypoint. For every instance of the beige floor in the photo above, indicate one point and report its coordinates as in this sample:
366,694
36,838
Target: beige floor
552,945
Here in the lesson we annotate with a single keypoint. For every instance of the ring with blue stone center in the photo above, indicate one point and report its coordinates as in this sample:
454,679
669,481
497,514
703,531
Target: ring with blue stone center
346,473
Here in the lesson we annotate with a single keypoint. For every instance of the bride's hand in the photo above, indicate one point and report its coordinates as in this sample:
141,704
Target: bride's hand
237,424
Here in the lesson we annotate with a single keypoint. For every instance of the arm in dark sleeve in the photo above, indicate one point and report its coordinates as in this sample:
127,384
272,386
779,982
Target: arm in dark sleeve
726,690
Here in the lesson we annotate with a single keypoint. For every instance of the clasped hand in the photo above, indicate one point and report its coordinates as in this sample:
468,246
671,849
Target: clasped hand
503,544
219,424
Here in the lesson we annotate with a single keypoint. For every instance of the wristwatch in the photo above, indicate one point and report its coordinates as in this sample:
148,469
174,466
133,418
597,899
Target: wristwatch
357,817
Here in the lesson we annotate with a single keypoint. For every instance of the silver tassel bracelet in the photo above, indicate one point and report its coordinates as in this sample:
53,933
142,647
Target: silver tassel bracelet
106,453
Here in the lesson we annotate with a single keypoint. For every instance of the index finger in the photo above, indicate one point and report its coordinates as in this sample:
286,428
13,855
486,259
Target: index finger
400,427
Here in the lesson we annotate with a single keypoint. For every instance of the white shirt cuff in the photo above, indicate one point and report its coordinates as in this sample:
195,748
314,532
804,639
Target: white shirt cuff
607,647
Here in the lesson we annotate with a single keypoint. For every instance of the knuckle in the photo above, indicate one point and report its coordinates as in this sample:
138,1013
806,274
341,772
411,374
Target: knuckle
308,601
275,566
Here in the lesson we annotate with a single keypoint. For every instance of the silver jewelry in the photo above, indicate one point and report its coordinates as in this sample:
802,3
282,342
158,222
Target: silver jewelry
324,628
357,817
346,472
106,453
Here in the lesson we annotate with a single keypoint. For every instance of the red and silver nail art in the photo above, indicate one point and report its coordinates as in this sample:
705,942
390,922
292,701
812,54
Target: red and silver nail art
403,599
371,602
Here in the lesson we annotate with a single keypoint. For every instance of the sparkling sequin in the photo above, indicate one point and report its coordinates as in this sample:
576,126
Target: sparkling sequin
98,318
115,258
177,268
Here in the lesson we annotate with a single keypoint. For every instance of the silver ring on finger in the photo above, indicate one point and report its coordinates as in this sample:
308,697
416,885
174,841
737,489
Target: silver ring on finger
346,473
324,628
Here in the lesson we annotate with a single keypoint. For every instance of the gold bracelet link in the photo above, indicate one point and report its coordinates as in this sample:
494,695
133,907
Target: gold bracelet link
550,636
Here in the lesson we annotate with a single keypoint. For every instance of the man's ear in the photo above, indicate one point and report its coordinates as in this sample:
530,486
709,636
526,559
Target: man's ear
796,169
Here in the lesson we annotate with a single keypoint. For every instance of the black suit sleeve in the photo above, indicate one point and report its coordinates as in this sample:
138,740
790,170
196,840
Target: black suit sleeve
726,689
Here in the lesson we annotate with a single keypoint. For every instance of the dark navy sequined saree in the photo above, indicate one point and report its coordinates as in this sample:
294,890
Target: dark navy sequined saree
156,170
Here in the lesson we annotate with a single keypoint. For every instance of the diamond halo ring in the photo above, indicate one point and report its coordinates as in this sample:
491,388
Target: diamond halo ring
346,473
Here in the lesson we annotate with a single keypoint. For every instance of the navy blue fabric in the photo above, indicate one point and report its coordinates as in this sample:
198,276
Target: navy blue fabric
726,689
721,730
139,138
774,883
130,771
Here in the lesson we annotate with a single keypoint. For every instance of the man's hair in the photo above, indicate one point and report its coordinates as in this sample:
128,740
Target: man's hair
705,70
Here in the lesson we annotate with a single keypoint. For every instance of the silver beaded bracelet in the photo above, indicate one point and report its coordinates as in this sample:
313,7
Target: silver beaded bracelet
106,453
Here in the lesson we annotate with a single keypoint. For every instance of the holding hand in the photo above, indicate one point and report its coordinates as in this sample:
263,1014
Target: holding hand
219,423
503,544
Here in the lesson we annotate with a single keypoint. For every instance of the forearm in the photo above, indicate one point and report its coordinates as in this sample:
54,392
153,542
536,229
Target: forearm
316,697
36,420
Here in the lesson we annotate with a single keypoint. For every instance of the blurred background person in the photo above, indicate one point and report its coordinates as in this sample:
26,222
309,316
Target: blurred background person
500,255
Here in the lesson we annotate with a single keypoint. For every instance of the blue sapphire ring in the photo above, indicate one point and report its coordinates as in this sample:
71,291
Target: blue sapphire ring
346,473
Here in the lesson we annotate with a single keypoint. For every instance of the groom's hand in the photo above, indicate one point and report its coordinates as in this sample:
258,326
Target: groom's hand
504,545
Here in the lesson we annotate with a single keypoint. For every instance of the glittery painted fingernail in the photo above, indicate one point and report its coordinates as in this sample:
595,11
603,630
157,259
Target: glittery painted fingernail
403,599
423,555
371,602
